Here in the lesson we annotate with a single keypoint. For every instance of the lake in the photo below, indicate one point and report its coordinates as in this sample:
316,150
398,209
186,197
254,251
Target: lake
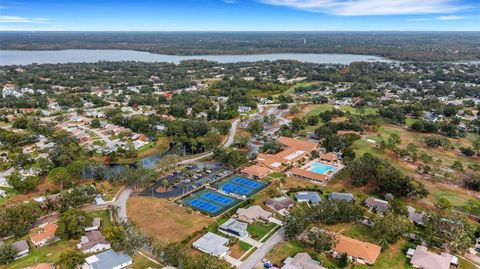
24,57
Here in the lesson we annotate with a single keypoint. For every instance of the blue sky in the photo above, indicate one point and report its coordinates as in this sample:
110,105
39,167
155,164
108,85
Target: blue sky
240,15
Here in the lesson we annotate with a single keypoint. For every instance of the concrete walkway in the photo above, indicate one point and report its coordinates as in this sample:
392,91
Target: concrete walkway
232,261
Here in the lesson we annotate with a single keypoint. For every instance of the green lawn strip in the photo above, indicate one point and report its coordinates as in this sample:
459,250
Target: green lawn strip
277,227
258,229
104,215
140,262
392,258
243,245
283,250
49,253
250,252
458,200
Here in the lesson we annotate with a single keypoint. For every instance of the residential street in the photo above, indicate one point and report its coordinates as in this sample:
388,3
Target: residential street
260,253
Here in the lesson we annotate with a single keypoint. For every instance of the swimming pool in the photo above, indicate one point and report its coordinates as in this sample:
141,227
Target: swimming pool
320,168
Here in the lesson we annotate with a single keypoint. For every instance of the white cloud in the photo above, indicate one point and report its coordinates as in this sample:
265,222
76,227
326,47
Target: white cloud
371,7
440,18
18,19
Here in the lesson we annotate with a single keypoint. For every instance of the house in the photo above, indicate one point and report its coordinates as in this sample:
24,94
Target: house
107,260
256,171
42,266
45,235
96,222
301,261
358,251
212,244
342,196
295,150
280,204
22,248
378,205
92,242
234,227
308,196
253,214
308,175
415,217
244,109
422,258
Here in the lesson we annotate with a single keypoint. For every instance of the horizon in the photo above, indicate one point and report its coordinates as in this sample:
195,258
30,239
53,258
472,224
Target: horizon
240,16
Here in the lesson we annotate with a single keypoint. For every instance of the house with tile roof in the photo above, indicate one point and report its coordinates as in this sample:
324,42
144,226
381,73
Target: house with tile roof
46,235
357,251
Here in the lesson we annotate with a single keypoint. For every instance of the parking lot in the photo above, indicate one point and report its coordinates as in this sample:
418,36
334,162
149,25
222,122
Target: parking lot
182,182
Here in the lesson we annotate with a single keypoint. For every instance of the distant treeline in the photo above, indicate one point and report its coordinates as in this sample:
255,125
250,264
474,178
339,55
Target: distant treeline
412,46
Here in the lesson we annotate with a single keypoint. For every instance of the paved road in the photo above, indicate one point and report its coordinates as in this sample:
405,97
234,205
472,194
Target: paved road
260,253
121,203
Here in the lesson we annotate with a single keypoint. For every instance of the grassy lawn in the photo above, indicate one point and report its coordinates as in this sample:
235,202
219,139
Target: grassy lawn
164,220
239,248
49,253
140,262
283,250
316,109
108,189
259,229
393,258
10,194
104,215
458,198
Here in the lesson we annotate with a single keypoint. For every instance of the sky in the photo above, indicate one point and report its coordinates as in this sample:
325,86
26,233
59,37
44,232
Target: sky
240,15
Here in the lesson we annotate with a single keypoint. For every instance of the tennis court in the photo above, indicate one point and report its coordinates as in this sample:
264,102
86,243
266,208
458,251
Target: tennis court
241,186
210,202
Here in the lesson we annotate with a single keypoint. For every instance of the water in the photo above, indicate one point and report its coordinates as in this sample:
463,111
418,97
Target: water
320,168
24,57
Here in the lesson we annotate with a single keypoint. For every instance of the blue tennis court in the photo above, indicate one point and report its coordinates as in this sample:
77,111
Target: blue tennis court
210,202
241,186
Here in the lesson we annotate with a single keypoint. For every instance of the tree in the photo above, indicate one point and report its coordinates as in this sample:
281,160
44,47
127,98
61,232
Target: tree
457,166
255,127
22,184
473,206
321,240
72,223
449,229
294,225
443,204
124,237
165,184
343,260
7,254
390,227
70,260
60,176
95,123
18,218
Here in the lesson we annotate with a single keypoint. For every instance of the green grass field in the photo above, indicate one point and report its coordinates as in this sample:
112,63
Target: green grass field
258,230
316,109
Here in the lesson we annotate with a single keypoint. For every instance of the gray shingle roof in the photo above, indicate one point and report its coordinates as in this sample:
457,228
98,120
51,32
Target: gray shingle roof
21,245
345,196
212,243
107,260
310,196
235,227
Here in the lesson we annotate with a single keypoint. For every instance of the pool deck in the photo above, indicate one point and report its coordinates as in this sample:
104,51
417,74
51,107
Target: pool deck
304,172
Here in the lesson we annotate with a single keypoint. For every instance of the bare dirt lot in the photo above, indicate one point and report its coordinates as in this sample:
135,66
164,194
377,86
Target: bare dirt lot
164,220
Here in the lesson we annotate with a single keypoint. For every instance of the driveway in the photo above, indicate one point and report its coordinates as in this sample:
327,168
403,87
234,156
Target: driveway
261,252
121,203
